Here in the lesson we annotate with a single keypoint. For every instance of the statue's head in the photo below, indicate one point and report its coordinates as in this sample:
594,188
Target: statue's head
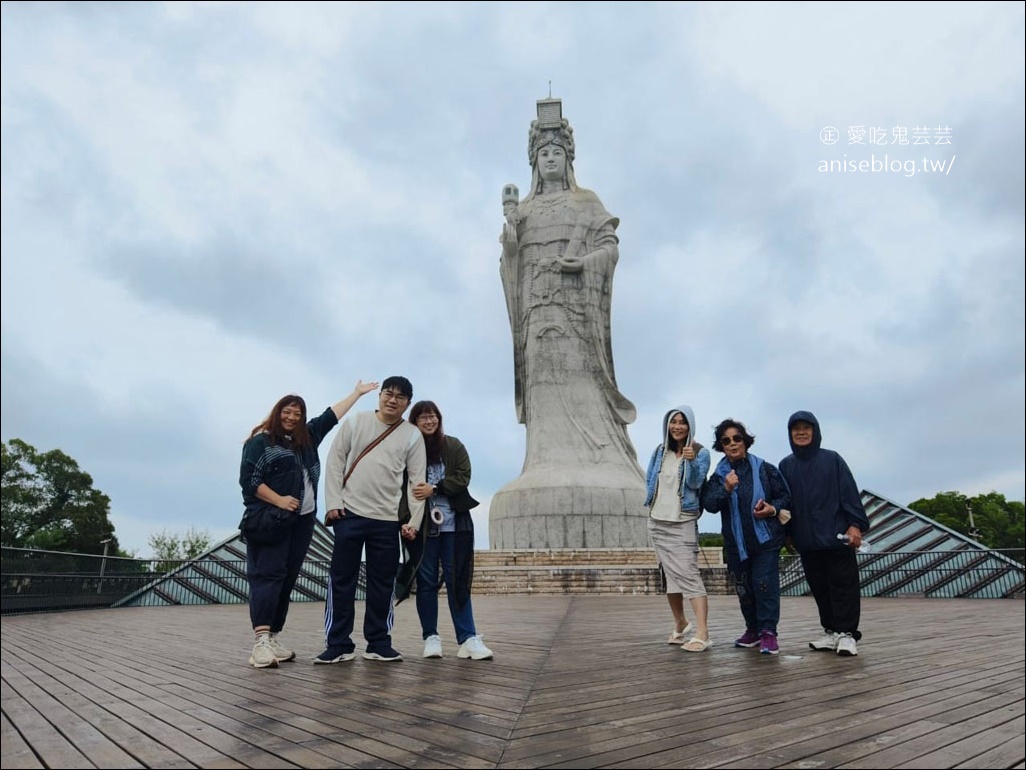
538,137
551,131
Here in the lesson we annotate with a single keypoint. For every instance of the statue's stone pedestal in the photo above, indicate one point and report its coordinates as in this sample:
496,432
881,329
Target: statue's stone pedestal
576,507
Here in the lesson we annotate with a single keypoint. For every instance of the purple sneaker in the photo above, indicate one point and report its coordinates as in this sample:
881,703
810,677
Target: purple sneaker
750,638
768,643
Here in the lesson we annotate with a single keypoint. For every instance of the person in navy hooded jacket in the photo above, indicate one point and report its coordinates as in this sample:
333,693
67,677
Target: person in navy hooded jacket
825,503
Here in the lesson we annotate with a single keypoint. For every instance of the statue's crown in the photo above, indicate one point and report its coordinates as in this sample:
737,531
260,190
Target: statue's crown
550,128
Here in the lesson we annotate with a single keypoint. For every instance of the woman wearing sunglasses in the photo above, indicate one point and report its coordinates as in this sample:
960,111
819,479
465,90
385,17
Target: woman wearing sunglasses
750,494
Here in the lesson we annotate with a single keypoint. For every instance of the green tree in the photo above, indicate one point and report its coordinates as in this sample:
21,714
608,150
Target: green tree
710,539
20,498
47,501
169,547
1000,523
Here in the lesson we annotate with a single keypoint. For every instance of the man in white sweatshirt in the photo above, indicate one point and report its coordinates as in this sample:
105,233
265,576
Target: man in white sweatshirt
363,480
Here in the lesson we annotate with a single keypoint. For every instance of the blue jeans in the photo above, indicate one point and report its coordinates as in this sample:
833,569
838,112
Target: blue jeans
757,583
272,571
437,550
353,534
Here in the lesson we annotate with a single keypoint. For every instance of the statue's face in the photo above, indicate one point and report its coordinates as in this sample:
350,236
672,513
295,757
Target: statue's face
551,163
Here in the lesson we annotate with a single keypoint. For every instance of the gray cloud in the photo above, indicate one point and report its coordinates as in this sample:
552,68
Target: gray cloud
206,206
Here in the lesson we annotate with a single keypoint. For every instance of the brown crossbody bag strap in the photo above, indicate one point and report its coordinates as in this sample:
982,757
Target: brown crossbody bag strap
369,447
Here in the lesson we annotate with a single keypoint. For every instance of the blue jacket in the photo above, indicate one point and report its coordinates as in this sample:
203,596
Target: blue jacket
692,474
825,500
759,535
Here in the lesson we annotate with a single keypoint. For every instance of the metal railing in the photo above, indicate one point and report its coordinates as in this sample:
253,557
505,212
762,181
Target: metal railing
964,573
50,581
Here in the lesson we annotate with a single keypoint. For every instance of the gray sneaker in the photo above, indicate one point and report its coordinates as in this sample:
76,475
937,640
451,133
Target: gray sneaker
846,645
281,652
263,654
825,643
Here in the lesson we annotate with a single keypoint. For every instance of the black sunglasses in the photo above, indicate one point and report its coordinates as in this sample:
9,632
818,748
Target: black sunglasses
735,439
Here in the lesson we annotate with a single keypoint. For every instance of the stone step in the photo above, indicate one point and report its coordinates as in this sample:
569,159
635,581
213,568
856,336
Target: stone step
595,579
541,580
583,557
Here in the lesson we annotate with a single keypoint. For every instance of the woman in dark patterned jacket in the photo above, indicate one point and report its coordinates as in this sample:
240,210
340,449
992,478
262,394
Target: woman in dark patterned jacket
280,468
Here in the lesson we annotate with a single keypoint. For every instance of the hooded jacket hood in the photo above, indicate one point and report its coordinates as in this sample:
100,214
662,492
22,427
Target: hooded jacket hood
689,417
690,473
817,437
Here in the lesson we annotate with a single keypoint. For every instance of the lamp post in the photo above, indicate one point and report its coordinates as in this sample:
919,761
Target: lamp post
103,563
973,532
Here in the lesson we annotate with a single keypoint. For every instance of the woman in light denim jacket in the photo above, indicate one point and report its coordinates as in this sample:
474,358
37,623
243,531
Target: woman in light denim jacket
675,476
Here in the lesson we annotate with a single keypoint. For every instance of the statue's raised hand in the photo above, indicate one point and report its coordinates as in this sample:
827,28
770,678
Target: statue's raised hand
508,236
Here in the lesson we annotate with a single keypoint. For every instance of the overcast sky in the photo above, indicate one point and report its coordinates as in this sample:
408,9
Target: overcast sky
207,206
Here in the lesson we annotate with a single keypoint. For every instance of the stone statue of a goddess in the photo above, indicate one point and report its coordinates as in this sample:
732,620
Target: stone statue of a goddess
581,486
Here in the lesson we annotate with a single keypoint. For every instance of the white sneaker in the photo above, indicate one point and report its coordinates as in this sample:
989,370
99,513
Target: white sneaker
281,652
263,654
846,645
474,648
433,646
826,643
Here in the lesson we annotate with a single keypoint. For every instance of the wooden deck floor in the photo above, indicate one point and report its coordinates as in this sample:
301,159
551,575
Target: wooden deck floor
576,682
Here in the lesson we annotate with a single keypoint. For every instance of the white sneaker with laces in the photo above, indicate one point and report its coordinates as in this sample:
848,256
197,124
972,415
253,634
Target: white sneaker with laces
433,646
474,648
846,645
263,654
281,652
826,643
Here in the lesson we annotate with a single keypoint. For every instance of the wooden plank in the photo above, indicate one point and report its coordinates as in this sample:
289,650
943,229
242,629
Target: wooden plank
578,681
909,752
894,726
999,727
200,735
147,718
1005,754
145,751
385,750
643,740
15,753
47,742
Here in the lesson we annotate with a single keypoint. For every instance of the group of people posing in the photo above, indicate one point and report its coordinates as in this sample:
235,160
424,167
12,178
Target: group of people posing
811,504
382,472
401,488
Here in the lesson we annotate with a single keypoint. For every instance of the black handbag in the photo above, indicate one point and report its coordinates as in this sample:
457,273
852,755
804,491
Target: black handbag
412,552
265,524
